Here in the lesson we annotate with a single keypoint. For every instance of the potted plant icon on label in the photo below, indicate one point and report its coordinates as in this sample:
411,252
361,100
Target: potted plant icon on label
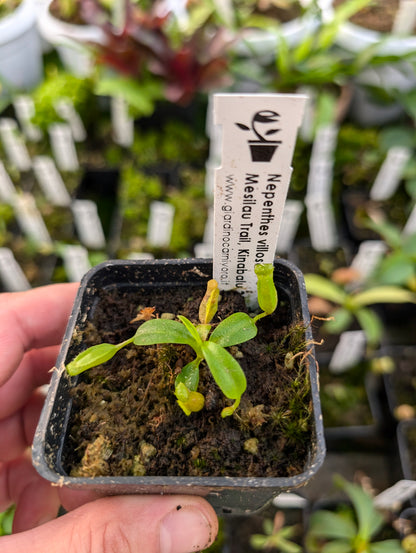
262,149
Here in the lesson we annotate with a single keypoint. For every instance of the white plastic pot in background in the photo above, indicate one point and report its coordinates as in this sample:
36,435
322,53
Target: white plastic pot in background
398,75
70,41
21,66
263,43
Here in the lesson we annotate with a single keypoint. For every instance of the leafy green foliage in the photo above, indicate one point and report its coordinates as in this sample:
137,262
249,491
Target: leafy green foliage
354,304
398,266
209,346
59,85
276,536
6,521
154,46
351,530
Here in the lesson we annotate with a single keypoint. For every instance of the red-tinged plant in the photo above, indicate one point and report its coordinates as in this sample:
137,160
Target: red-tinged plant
149,43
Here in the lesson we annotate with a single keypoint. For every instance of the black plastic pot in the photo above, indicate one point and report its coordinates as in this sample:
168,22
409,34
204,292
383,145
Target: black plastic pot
406,439
226,494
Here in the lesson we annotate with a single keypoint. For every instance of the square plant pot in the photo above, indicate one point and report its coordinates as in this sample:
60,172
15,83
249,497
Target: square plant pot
230,489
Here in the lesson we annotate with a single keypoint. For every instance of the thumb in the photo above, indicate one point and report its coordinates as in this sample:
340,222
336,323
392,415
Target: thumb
143,524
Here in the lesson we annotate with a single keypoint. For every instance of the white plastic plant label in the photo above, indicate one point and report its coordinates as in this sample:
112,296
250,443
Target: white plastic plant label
393,498
14,144
122,122
209,228
203,250
368,257
348,352
405,18
7,189
11,274
30,219
140,255
410,226
50,181
88,224
24,108
258,138
65,109
159,230
76,262
390,173
290,223
63,147
322,162
321,224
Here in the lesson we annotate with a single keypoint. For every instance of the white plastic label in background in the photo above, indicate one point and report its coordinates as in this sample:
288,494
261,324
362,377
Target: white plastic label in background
308,122
348,352
88,224
368,256
410,226
14,145
209,228
63,147
390,173
76,262
11,274
159,230
322,162
140,255
393,498
7,189
203,250
290,223
65,109
30,220
258,138
405,18
24,108
50,181
321,224
122,123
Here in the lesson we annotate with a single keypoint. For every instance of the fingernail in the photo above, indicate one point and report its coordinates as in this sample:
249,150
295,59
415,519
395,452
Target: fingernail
184,530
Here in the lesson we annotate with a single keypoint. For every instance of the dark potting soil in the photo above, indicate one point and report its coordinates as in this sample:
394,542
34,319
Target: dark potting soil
378,15
125,419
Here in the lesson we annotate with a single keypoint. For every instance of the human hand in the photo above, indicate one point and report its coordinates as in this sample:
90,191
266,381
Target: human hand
31,327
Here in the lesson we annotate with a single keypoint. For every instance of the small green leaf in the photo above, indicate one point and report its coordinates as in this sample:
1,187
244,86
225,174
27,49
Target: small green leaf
93,356
384,294
386,546
371,324
163,331
190,328
338,546
395,270
181,392
342,318
369,520
235,329
317,285
189,375
226,371
330,525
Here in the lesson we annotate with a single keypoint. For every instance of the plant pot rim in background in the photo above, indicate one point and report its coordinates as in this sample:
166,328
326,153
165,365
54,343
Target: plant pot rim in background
355,38
17,22
226,494
70,40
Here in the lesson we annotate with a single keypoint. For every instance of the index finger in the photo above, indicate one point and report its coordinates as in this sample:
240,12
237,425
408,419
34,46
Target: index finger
32,319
